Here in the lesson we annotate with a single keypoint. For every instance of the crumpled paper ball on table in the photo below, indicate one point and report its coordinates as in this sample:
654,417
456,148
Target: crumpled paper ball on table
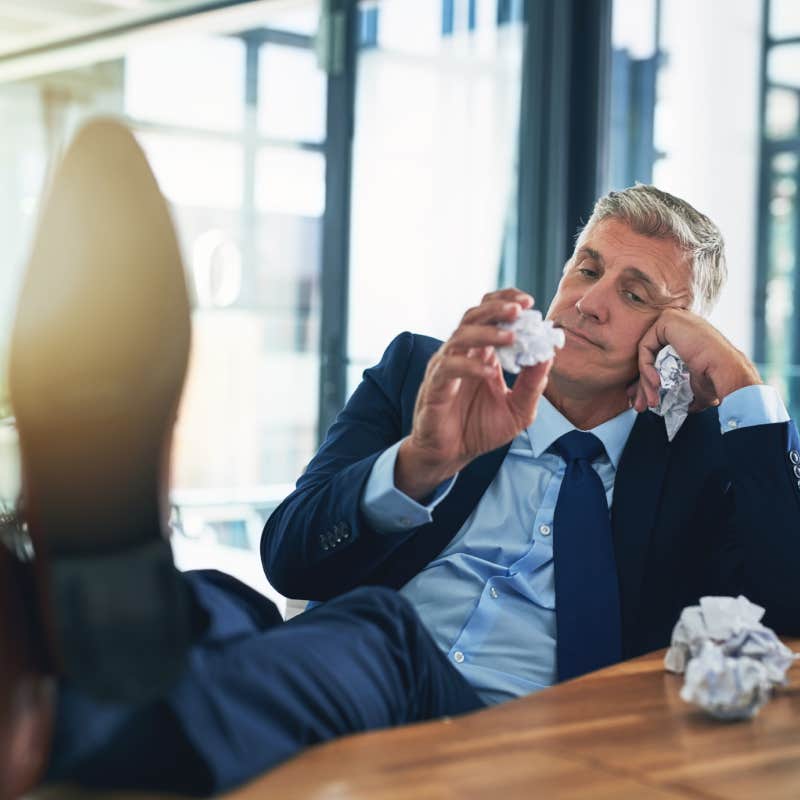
724,686
536,340
675,394
730,659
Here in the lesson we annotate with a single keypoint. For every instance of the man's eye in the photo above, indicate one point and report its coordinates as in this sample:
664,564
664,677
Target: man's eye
588,272
634,298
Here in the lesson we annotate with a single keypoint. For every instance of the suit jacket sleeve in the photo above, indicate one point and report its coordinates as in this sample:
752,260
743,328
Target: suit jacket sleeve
762,551
317,543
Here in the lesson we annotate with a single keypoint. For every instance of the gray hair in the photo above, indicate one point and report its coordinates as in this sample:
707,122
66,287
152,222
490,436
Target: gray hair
652,212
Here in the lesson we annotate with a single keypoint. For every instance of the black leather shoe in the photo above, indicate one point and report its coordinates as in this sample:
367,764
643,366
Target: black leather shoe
98,358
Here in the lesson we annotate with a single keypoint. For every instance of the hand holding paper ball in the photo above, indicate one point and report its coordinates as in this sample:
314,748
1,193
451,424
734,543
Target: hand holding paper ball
535,341
464,407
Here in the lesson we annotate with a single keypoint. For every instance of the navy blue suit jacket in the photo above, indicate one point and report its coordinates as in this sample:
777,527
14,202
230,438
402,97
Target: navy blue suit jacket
703,514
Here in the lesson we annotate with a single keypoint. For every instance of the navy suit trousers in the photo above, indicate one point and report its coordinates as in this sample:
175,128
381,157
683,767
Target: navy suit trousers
256,691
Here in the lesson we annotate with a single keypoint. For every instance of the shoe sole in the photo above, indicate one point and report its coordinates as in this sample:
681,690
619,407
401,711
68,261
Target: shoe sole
97,363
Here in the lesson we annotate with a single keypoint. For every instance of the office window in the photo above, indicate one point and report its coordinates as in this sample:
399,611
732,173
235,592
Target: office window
434,166
288,74
250,108
778,283
203,88
685,116
634,67
230,110
230,107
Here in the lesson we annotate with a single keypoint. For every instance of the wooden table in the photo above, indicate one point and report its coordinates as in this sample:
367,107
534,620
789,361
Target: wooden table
620,733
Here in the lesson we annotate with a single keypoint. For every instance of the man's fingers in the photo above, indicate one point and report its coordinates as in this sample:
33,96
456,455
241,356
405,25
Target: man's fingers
704,394
510,295
528,388
650,382
467,337
649,378
634,392
492,312
479,325
451,368
649,347
637,394
701,404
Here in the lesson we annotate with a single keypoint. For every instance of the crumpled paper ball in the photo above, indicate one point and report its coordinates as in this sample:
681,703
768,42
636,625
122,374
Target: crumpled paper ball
730,659
536,340
675,394
726,687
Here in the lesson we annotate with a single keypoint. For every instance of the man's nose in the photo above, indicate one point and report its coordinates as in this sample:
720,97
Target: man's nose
594,302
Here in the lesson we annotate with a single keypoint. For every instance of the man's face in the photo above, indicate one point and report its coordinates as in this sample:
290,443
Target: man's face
613,289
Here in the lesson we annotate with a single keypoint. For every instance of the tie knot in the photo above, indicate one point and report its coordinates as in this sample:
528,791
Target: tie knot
578,446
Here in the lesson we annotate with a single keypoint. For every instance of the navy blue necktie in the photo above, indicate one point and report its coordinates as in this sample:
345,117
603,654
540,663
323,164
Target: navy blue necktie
587,592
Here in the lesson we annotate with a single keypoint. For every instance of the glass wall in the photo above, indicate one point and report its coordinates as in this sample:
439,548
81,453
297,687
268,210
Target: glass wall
231,114
685,103
434,175
778,325
230,107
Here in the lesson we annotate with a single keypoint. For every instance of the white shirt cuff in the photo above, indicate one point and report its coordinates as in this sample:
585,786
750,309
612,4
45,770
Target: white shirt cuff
751,405
386,508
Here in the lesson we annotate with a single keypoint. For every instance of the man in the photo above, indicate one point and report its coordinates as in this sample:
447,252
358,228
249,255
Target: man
115,669
487,504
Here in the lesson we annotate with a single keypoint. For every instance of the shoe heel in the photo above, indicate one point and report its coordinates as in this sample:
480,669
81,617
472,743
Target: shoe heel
123,621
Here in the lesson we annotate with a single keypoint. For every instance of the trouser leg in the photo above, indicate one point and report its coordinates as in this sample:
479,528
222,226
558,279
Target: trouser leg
248,702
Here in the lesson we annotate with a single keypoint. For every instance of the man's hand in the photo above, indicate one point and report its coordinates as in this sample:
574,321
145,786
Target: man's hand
715,366
464,408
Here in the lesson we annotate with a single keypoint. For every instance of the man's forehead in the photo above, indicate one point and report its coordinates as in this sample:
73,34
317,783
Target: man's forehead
661,262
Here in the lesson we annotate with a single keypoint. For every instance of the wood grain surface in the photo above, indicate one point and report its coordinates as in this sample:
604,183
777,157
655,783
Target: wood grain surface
620,733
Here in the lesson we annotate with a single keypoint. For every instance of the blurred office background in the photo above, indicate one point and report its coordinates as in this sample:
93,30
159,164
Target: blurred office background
339,171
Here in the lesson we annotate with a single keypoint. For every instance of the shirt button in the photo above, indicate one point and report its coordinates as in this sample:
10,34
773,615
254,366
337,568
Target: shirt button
794,457
493,593
545,530
458,657
733,423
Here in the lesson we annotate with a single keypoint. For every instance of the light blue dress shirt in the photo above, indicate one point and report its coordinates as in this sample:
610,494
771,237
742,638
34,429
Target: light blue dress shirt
488,599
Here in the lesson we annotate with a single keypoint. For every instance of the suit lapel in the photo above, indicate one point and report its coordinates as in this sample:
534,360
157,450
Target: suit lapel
637,494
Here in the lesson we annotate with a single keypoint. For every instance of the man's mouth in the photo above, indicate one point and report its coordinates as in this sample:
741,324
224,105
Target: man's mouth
581,336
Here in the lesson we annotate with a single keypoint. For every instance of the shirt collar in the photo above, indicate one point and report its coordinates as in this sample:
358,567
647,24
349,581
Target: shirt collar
550,424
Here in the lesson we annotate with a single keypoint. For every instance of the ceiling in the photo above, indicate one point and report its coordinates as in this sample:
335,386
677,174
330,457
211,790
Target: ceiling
45,36
27,23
